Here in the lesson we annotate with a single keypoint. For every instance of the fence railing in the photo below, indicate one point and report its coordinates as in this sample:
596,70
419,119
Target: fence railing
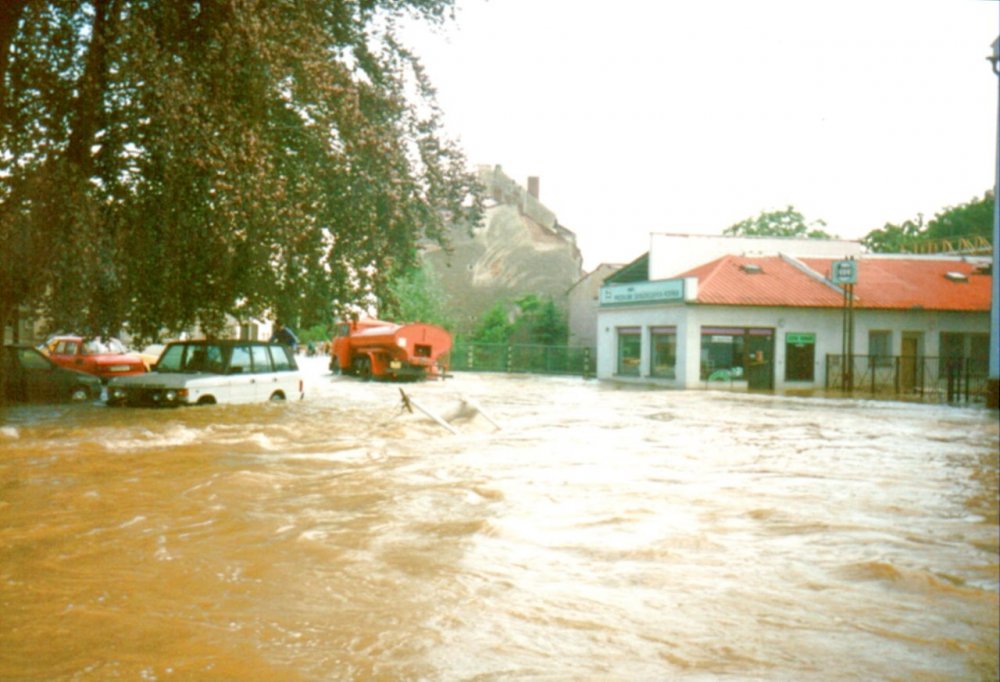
934,378
530,358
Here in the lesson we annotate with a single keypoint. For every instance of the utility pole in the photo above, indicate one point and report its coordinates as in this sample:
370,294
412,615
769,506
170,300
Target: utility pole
993,383
845,274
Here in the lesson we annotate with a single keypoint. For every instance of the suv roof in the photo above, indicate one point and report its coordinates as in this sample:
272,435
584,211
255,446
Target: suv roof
226,342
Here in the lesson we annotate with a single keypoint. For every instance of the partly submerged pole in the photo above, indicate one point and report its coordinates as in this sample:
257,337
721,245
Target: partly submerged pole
409,403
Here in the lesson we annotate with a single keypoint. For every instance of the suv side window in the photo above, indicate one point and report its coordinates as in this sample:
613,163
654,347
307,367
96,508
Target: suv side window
239,361
213,360
203,358
261,359
280,356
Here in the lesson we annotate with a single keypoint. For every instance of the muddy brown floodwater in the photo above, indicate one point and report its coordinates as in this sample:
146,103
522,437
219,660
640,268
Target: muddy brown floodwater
603,533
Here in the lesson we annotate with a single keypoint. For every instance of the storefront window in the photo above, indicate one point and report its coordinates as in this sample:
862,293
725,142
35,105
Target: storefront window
629,350
663,358
738,354
800,356
722,353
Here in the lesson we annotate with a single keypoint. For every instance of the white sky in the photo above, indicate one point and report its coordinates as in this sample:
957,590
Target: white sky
687,116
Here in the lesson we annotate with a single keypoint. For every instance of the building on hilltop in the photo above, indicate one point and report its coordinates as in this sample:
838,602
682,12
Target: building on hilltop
518,249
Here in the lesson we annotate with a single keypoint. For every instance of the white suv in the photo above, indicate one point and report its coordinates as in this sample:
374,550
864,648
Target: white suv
210,371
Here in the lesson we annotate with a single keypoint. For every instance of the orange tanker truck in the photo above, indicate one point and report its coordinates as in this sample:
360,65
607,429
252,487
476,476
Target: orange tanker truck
386,350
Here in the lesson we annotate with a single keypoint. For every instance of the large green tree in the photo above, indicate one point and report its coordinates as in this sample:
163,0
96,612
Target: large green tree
973,219
779,223
416,296
164,163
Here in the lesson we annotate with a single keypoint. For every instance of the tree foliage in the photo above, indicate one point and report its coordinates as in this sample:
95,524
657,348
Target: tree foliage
168,163
971,219
530,319
784,223
496,325
417,296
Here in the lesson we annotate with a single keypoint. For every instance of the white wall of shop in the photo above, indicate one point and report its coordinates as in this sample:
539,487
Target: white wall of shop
610,320
689,320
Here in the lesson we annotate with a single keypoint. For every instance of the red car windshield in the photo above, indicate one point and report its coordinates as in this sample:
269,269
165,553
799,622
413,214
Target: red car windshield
103,347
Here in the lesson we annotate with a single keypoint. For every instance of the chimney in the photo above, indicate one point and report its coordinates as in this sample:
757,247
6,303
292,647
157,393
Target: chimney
533,185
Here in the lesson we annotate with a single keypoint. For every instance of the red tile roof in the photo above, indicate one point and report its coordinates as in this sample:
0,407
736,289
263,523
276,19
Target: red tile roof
883,283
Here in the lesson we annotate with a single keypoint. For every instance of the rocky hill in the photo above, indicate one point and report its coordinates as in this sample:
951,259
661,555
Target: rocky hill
520,248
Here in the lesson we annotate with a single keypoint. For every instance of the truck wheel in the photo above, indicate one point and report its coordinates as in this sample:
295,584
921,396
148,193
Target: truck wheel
363,367
79,394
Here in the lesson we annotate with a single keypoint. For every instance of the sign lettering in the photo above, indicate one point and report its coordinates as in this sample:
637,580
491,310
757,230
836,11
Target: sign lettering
845,272
661,291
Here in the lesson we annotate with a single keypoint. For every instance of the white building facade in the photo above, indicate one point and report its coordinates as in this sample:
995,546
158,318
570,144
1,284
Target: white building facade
779,323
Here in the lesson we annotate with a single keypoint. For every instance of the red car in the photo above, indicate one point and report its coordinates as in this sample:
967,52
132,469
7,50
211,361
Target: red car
105,358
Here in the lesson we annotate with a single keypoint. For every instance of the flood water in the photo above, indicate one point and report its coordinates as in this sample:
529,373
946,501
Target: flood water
602,534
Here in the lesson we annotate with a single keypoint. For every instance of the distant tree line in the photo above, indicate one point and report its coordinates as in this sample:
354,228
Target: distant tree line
779,223
971,219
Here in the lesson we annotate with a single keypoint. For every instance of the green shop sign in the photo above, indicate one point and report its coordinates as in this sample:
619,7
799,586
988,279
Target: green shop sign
643,292
800,339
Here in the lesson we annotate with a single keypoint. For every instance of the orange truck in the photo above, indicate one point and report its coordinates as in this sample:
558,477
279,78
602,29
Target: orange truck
386,350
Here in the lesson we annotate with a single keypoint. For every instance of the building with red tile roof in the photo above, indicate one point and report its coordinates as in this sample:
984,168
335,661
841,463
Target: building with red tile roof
886,283
779,321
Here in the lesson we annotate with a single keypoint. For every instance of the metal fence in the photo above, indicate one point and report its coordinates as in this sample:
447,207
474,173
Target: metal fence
529,358
929,378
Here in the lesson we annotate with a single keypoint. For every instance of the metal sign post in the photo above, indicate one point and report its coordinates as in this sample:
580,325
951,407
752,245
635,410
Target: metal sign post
845,273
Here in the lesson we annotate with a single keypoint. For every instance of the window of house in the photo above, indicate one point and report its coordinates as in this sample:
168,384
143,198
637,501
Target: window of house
629,350
663,356
880,347
249,331
972,349
800,356
979,351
